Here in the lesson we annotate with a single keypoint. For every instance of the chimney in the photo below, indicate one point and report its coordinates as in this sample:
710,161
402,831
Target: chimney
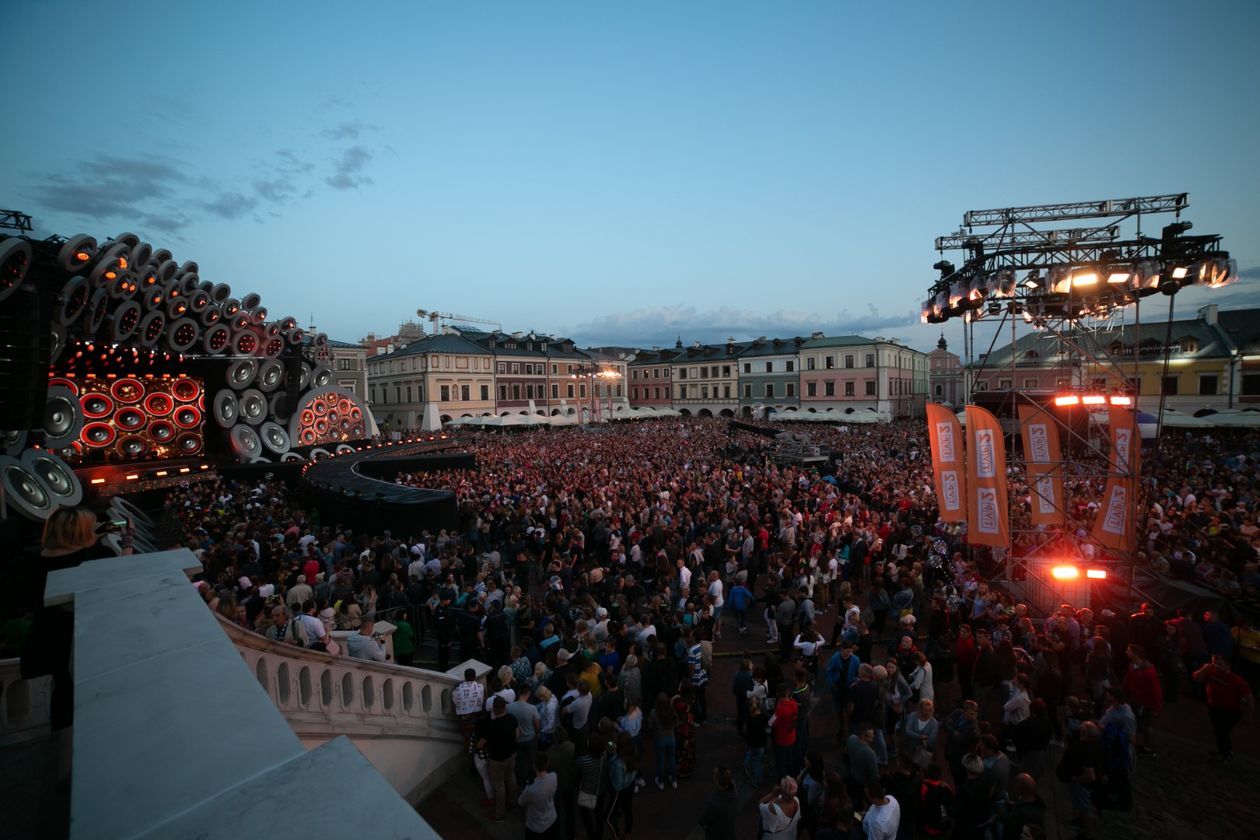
816,335
696,345
1208,314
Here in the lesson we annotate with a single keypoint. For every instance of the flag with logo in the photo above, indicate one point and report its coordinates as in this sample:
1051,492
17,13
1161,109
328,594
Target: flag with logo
986,479
1117,518
1040,435
946,436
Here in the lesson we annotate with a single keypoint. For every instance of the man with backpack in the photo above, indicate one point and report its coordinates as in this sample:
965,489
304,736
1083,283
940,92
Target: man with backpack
936,804
306,630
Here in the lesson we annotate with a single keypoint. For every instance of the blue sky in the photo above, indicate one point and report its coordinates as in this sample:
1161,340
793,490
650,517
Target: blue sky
616,172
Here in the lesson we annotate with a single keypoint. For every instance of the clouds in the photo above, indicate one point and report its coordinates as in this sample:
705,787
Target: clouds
348,169
663,325
167,194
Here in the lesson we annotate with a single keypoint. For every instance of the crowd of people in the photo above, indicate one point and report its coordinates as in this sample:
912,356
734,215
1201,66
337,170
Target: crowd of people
596,573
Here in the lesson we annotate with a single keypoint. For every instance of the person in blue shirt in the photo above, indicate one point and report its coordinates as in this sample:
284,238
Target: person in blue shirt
842,672
741,598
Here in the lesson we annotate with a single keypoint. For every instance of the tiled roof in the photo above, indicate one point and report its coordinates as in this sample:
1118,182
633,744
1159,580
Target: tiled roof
1243,328
771,347
437,344
836,341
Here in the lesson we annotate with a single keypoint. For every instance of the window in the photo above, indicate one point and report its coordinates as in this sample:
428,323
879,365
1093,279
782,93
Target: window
408,393
1004,384
516,392
446,393
726,391
503,393
809,363
581,389
372,398
656,373
555,392
848,389
1251,385
726,371
791,365
516,367
682,392
463,393
502,367
1208,384
397,393
682,373
713,371
1169,385
829,388
870,360
555,369
829,362
704,391
570,390
769,367
748,392
665,373
420,393
848,361
704,373
870,388
634,374
485,393
939,390
345,364
770,390
811,389
1030,383
791,389
656,393
747,367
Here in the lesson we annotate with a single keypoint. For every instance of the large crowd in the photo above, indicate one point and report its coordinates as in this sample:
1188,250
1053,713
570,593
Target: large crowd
597,571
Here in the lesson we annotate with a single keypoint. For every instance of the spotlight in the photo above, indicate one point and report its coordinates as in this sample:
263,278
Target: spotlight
1096,574
1067,400
76,252
1059,281
1065,572
1180,272
1120,399
1084,278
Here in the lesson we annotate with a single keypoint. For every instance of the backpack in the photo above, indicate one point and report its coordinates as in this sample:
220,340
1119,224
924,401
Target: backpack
936,808
296,634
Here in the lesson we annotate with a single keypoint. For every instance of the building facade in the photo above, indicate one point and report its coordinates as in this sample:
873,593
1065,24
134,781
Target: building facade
706,378
946,382
349,367
650,381
769,375
854,372
448,371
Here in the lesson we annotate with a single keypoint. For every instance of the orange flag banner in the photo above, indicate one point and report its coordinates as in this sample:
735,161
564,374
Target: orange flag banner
1117,519
1040,435
986,480
947,462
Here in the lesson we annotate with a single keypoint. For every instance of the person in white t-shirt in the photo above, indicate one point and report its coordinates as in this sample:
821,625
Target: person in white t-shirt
883,818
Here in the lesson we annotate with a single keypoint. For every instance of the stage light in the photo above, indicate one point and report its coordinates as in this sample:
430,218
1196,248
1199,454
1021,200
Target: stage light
1066,400
1059,280
1116,278
1093,399
1065,572
133,476
185,469
98,481
1180,272
1223,272
1096,574
1121,400
1084,279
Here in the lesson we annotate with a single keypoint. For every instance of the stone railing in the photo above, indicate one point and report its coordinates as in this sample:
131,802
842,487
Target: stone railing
402,719
24,705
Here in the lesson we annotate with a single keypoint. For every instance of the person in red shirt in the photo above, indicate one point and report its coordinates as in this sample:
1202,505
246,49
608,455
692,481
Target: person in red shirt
1228,697
1146,695
783,732
965,654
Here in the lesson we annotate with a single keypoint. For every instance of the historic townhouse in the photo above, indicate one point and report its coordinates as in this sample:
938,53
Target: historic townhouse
567,384
520,370
946,383
854,372
649,382
769,375
447,371
706,378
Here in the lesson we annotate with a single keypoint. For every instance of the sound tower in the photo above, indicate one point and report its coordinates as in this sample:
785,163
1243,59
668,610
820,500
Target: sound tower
25,345
291,357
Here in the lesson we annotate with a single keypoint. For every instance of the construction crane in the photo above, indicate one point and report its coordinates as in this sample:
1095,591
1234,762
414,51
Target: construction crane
435,319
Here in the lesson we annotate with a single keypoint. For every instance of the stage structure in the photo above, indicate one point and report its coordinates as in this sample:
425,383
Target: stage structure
1068,283
122,369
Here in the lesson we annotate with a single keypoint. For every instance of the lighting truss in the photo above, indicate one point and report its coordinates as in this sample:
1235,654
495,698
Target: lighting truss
1118,207
13,220
1025,238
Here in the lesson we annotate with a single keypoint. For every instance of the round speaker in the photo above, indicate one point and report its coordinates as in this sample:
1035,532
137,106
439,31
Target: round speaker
245,442
279,407
288,324
62,382
321,427
231,307
226,409
129,239
58,479
216,338
333,417
189,267
220,292
162,431
150,329
127,391
125,320
24,491
245,343
305,380
153,298
253,406
95,406
241,373
75,253
98,308
273,347
183,335
321,377
211,315
124,287
146,278
165,271
307,436
72,300
114,261
130,419
58,333
132,446
187,416
199,301
270,376
320,407
189,443
63,418
258,316
13,442
272,330
239,322
159,404
274,437
141,253
178,307
251,301
98,434
297,337
290,457
185,390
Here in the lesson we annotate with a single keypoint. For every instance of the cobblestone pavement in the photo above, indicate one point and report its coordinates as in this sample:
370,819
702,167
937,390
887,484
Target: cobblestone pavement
1184,793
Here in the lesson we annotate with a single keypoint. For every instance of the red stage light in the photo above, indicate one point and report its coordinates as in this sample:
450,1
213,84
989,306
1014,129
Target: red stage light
1121,400
1068,399
1094,399
1065,572
1096,574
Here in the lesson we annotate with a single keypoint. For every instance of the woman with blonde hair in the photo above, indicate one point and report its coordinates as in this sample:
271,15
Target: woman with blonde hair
780,811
